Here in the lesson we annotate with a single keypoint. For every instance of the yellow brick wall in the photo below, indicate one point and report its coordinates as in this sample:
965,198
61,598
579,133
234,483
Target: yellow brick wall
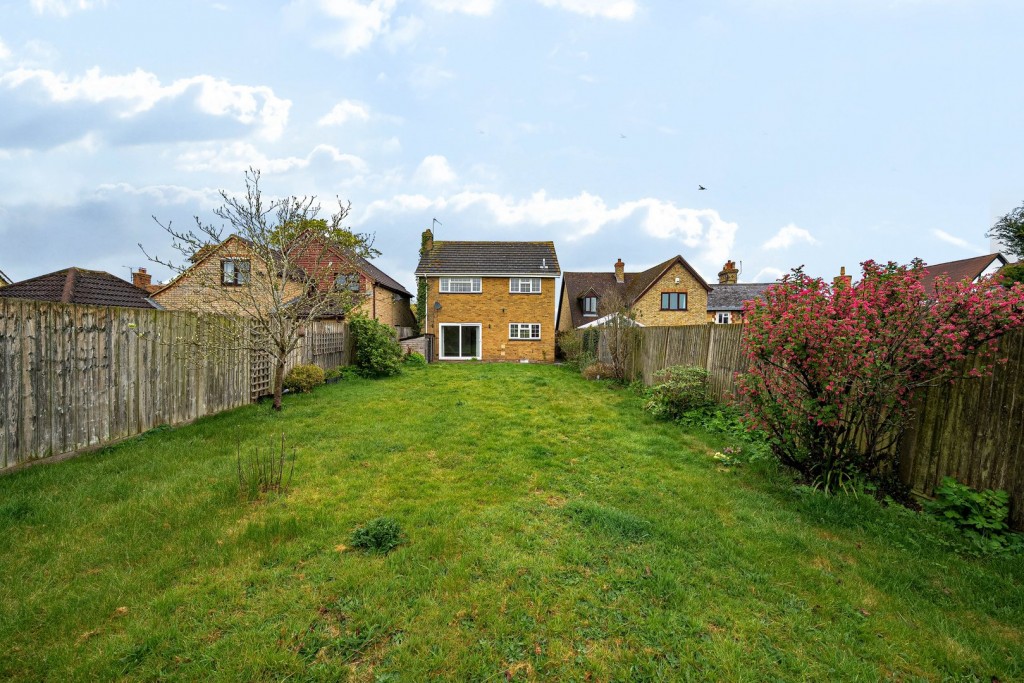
395,313
200,288
564,314
494,308
648,309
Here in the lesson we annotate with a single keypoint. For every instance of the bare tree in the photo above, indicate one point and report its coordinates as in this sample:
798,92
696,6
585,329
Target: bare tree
621,333
273,266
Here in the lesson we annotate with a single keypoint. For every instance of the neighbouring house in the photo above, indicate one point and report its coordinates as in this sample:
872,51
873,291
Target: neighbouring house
970,269
144,280
80,286
230,264
669,294
493,301
4,280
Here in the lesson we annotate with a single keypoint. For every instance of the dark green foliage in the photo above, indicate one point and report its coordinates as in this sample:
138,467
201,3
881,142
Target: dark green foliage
421,304
380,535
265,472
378,353
1013,273
676,390
981,516
1010,231
578,347
304,378
415,360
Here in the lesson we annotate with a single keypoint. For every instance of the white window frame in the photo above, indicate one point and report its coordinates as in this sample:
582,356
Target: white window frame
723,317
515,331
586,313
475,285
479,341
515,285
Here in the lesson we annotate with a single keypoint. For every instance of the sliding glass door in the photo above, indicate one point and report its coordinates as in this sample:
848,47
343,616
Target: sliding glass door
460,341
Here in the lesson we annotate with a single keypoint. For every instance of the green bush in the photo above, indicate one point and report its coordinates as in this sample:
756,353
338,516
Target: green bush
378,353
304,378
578,348
981,516
415,360
379,535
677,390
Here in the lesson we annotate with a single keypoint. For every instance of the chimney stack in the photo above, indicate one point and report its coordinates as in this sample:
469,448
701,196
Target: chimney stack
730,274
842,280
427,242
620,271
142,279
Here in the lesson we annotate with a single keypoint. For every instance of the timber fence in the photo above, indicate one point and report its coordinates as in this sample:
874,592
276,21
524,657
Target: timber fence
971,429
76,377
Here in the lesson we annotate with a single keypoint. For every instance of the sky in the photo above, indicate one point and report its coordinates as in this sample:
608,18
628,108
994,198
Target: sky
826,132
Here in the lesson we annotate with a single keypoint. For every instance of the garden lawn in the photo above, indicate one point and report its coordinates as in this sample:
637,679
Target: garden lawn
554,531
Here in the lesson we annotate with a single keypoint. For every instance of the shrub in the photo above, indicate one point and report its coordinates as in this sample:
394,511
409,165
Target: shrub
260,473
981,516
578,347
378,353
678,390
380,535
304,378
599,371
415,360
833,367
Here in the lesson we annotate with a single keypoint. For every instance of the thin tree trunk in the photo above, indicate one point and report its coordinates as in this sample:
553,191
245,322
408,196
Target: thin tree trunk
278,382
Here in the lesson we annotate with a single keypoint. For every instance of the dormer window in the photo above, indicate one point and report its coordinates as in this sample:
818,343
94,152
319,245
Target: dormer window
590,306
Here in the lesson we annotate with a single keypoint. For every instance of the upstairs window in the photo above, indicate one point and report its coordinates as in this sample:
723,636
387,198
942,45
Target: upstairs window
460,285
723,318
524,331
349,281
673,301
234,272
590,306
524,285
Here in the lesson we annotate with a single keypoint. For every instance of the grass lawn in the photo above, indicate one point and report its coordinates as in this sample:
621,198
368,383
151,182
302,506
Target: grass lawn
555,532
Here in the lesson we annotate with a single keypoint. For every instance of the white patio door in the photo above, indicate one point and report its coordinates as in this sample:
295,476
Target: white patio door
460,341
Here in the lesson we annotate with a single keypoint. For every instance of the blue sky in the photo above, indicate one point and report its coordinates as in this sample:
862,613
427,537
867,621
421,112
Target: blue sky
826,132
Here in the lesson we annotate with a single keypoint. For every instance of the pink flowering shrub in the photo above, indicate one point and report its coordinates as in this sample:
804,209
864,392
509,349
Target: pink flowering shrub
833,367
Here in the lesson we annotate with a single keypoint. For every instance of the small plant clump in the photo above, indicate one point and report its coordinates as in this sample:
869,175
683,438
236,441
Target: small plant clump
599,371
678,390
264,472
981,516
378,353
380,535
304,378
415,360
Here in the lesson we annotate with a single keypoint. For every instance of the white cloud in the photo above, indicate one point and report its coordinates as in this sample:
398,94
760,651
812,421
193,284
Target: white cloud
5,52
435,170
480,8
140,91
768,274
958,242
584,214
429,76
361,22
622,10
164,195
237,157
345,111
788,236
64,8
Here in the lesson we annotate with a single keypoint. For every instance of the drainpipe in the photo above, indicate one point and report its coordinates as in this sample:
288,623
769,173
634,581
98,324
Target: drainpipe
373,293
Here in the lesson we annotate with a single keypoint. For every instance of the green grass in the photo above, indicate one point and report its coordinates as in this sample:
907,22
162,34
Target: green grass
552,531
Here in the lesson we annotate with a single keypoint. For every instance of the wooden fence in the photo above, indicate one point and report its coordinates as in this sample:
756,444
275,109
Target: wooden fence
74,377
327,344
972,430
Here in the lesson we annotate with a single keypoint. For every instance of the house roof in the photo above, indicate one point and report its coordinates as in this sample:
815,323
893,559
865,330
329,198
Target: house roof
4,280
537,259
380,277
969,269
603,285
732,297
80,286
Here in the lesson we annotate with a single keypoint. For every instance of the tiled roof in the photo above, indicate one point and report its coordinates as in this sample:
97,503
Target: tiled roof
490,258
605,286
79,286
381,278
732,297
965,269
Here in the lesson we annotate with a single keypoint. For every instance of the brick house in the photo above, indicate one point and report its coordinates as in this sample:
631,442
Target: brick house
80,286
231,264
671,293
493,301
970,269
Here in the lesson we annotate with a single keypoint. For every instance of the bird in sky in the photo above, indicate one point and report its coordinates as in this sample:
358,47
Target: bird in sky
701,187
622,136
